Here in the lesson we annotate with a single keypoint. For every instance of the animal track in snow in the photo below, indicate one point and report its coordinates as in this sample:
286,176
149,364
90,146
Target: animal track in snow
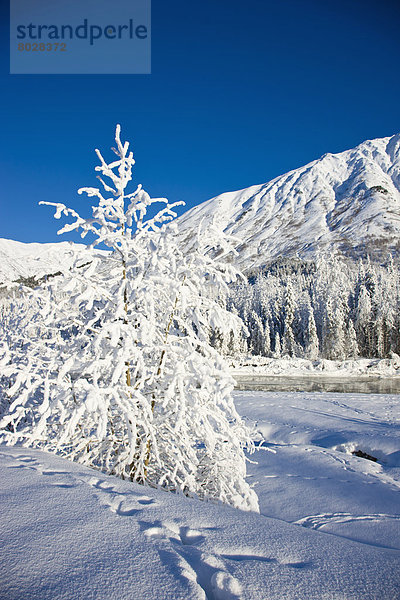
341,525
224,586
20,458
260,558
208,571
172,531
124,504
211,570
32,468
319,521
120,507
245,557
28,462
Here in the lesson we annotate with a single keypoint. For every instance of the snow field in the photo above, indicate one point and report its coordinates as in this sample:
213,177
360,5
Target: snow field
329,527
306,472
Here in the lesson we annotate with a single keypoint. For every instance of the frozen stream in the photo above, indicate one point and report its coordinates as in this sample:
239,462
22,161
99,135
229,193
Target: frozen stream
318,383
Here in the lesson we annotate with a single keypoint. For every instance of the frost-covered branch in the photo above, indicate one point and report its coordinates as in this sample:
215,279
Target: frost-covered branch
111,364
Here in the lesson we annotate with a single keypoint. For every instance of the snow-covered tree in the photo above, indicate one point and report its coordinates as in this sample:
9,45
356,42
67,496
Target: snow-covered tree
333,330
115,370
363,320
237,336
288,341
351,346
278,346
259,335
331,307
311,349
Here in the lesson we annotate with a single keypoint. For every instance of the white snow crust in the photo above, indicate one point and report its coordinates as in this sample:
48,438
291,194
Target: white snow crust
328,529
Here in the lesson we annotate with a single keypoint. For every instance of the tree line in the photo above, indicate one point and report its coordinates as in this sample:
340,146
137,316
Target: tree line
332,308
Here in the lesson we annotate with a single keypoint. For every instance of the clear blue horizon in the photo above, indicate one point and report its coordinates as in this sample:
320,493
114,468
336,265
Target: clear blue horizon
239,93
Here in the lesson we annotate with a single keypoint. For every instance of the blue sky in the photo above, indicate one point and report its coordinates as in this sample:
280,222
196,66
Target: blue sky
240,92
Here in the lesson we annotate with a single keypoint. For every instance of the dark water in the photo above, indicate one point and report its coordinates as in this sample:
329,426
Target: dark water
360,385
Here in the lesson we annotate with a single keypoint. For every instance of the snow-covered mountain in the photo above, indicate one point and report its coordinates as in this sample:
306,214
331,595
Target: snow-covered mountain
347,202
20,260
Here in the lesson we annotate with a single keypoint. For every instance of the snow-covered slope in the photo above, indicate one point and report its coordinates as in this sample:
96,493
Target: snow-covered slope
18,259
328,529
347,202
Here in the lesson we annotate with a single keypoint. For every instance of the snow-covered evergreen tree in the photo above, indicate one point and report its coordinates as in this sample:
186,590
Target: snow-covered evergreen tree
267,339
237,336
259,335
363,321
115,370
311,349
334,336
351,346
278,346
288,341
355,308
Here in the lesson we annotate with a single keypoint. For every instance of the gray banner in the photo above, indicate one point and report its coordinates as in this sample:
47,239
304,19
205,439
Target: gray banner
80,36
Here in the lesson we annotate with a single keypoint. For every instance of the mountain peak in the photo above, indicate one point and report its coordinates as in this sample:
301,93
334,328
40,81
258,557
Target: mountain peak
346,203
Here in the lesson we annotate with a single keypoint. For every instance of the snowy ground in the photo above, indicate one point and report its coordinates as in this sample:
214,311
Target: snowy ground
301,367
329,528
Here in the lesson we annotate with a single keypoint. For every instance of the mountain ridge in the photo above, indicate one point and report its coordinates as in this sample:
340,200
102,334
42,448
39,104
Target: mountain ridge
21,260
346,203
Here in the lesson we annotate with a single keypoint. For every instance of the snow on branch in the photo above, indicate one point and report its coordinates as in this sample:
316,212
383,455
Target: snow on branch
111,364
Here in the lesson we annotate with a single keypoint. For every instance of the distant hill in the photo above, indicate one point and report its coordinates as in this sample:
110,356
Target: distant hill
23,261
